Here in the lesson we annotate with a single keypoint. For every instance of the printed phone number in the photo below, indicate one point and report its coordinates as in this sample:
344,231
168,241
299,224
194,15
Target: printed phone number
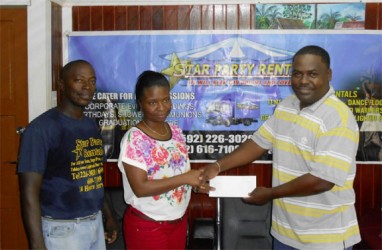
214,143
211,149
214,138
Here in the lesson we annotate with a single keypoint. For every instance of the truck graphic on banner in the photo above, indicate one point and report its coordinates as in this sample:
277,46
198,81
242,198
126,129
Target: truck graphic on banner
230,110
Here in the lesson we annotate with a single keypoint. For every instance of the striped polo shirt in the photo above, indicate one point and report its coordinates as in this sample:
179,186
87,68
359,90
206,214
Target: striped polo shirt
322,140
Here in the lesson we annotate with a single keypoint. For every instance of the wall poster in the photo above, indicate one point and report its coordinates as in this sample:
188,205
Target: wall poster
225,84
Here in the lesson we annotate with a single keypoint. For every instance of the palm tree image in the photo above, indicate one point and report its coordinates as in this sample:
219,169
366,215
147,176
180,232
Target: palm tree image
329,20
340,16
265,16
297,11
353,17
268,16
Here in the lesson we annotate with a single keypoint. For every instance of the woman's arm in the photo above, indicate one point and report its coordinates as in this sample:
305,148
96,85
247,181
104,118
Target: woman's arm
143,187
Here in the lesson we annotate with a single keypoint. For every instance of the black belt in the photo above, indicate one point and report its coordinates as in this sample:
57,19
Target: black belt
77,220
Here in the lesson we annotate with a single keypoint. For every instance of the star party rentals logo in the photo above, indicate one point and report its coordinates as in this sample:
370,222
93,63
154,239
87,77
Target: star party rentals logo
80,146
235,58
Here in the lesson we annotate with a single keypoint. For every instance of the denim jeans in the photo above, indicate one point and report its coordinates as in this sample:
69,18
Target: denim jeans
81,235
277,245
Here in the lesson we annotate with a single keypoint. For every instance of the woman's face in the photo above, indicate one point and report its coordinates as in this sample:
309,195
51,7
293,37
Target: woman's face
155,103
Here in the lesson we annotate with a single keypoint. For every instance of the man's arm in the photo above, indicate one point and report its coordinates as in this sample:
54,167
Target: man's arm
246,153
111,230
304,185
30,185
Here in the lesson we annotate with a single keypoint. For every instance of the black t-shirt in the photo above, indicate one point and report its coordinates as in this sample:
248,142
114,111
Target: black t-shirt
69,155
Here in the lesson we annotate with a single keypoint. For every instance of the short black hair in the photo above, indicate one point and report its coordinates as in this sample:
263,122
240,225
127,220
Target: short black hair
149,79
314,50
70,65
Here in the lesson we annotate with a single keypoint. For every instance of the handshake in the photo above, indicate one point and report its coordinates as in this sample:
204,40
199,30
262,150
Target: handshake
208,182
204,175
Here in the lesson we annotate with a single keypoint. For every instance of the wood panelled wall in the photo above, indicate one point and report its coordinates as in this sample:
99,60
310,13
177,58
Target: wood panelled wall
183,17
56,25
202,17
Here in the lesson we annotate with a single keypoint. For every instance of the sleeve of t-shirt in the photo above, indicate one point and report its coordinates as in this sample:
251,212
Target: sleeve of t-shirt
264,136
33,151
132,151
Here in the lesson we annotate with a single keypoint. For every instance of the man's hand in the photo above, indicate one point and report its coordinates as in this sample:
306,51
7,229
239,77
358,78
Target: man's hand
210,171
203,189
259,196
206,173
111,231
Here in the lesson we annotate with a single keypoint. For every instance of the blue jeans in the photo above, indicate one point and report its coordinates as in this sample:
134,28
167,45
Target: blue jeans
277,245
81,235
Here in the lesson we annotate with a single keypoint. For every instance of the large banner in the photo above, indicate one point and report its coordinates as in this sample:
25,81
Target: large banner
226,84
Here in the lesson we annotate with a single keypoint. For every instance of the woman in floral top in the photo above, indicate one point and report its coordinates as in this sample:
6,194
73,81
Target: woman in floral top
155,167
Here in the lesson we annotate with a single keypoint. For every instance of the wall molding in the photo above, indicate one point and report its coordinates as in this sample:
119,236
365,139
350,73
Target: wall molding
69,3
15,2
190,2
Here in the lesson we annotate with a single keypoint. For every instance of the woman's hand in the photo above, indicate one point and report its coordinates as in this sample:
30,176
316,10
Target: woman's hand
209,172
192,177
194,180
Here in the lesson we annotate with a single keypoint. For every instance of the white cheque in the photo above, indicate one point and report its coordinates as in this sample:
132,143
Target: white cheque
232,186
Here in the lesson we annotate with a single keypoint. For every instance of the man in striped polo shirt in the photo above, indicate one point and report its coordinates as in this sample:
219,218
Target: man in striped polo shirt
314,140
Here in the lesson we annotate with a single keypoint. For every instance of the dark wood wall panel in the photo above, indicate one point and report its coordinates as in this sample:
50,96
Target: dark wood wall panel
76,19
56,15
145,18
373,17
84,19
96,18
184,17
170,18
108,18
157,20
379,14
120,18
368,187
133,18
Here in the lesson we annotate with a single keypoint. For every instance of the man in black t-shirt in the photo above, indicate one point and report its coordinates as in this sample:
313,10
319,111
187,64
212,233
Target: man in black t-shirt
61,171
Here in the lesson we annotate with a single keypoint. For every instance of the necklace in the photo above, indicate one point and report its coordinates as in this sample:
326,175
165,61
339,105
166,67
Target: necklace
152,130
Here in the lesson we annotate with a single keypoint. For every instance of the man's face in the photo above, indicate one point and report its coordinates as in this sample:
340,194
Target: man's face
310,79
79,85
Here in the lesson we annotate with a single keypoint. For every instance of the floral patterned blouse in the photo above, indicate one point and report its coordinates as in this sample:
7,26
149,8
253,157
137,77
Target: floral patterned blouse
160,159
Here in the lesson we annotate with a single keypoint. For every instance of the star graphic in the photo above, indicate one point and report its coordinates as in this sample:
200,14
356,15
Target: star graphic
78,153
176,70
79,149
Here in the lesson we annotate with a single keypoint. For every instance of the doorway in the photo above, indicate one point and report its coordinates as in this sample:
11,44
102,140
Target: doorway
13,116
